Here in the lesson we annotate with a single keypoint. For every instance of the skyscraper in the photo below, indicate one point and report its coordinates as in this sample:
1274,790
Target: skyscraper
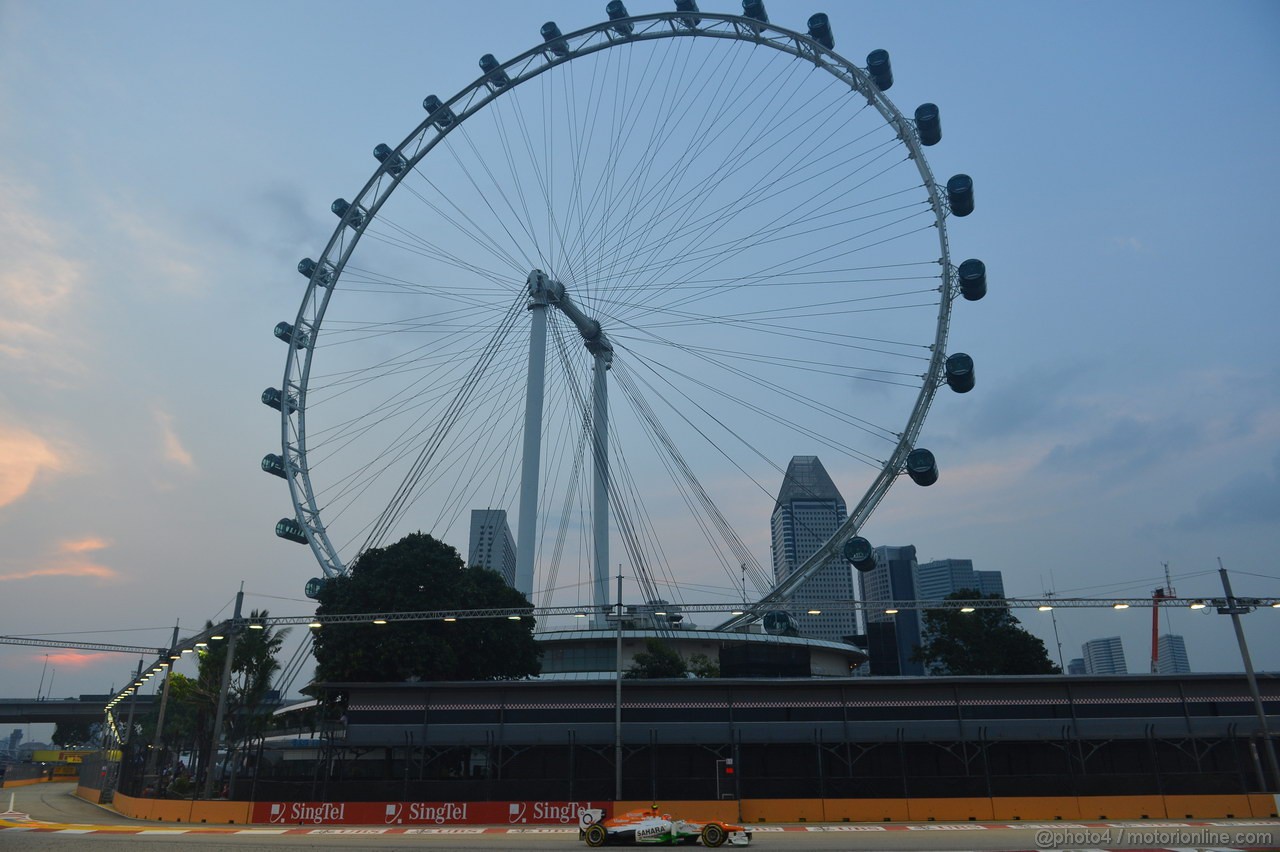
1171,655
892,638
492,545
1104,656
807,513
942,577
990,582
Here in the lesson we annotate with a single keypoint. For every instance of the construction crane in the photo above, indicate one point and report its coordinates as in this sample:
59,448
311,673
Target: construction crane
1156,597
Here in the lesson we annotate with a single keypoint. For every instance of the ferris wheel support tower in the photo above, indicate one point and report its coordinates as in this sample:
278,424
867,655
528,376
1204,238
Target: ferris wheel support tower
543,293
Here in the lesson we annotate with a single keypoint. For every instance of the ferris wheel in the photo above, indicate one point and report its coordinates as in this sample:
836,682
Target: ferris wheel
610,287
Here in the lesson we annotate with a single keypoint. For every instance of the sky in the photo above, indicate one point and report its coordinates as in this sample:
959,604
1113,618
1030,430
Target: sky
164,167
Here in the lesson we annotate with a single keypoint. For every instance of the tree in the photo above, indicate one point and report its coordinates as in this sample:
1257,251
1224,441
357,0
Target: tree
700,665
193,702
419,573
987,641
77,734
657,660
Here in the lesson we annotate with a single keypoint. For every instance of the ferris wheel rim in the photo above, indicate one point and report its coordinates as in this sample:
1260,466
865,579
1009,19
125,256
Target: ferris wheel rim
471,100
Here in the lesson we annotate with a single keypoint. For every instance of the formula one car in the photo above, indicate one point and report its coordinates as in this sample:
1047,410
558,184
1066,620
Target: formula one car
653,826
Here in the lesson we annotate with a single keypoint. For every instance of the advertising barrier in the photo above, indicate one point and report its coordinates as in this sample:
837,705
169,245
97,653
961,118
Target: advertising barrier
422,813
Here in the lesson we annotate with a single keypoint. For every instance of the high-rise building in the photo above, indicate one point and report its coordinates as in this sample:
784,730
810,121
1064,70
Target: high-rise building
892,638
1076,666
942,577
1104,656
492,546
807,513
1171,654
990,582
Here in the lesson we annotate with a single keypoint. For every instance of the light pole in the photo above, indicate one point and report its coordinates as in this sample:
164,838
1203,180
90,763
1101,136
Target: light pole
222,695
1235,607
617,705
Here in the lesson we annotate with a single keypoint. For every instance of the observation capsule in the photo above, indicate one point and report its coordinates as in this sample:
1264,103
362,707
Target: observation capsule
441,116
880,70
959,372
691,20
972,275
860,553
554,39
290,530
392,163
820,30
778,622
960,194
273,398
313,587
922,467
284,331
616,11
274,465
310,269
755,9
495,77
928,124
353,215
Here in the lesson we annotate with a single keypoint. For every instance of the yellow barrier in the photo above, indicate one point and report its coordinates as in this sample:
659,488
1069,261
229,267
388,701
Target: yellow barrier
865,810
1121,807
1264,806
184,810
782,810
725,811
89,794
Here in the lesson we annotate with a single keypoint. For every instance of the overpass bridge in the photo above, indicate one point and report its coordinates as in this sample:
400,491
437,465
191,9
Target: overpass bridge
85,708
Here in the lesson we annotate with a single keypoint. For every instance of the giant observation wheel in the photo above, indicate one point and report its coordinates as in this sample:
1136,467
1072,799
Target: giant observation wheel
724,221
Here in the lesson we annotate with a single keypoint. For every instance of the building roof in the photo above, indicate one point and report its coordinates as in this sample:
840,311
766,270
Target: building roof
807,479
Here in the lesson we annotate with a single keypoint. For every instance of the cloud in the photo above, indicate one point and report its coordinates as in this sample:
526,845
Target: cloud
84,545
23,457
67,560
174,451
81,659
1129,243
1250,499
37,286
1125,445
71,569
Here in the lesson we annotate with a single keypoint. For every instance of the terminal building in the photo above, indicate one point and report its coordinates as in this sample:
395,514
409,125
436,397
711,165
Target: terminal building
877,741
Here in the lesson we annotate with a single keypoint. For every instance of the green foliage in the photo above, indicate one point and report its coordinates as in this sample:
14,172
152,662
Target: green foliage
700,665
416,574
982,642
193,702
80,734
657,660
252,671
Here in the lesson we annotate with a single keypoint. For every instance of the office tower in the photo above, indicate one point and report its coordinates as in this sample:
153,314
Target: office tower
1171,655
1104,656
492,545
807,513
942,577
892,638
990,582
1076,666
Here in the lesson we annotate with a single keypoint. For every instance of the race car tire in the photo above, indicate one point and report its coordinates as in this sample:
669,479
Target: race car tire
595,835
713,835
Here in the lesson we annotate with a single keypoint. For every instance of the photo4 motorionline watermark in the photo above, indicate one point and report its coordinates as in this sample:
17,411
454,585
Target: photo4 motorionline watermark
1178,837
